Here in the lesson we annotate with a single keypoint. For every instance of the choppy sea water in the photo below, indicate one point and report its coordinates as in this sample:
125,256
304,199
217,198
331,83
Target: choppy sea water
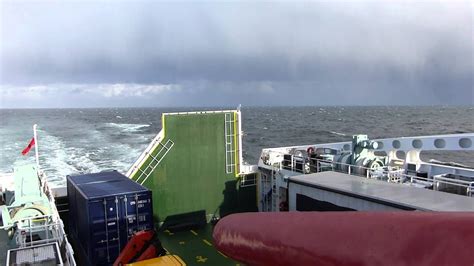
75,141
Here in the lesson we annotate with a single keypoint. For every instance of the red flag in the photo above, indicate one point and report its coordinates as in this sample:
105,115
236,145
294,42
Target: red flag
28,148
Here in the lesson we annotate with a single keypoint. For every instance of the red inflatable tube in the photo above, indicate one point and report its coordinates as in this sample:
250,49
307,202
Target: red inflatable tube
348,238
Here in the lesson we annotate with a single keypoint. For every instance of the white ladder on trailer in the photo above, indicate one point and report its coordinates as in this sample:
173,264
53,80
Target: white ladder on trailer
155,161
229,144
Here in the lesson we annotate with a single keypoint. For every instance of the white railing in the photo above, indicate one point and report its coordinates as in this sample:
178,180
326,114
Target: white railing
301,164
29,227
468,186
201,112
142,158
64,245
155,161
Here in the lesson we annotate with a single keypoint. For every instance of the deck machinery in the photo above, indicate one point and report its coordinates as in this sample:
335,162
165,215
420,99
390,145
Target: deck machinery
36,233
361,158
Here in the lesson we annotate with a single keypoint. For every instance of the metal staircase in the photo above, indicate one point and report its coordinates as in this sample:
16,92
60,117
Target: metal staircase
155,161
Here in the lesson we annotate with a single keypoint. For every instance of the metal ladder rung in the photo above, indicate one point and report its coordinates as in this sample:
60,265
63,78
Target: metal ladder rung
158,161
155,161
142,173
229,136
164,145
155,158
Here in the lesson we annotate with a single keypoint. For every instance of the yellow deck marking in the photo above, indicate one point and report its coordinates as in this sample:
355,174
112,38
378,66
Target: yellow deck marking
222,254
201,259
194,232
207,242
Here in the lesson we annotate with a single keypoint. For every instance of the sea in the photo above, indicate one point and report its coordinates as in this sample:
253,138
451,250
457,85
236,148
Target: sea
74,141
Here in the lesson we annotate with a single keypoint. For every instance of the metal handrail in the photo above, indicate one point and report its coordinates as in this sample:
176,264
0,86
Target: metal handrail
369,173
166,148
58,224
144,155
32,229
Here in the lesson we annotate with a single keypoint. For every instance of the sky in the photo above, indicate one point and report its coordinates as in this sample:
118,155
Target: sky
57,54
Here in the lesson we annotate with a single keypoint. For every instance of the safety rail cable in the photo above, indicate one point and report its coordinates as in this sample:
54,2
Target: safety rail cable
245,181
64,244
28,226
370,173
155,161
468,185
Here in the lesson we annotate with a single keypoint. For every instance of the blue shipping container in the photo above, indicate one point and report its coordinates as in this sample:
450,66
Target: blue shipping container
105,209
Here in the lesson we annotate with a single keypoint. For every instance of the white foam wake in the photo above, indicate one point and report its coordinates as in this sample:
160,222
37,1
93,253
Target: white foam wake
337,133
58,160
128,127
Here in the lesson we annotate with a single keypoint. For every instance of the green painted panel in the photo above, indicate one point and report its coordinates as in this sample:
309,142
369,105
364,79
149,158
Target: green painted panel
192,176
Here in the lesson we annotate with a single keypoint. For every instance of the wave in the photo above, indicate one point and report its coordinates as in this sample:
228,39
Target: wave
128,127
58,160
95,152
337,133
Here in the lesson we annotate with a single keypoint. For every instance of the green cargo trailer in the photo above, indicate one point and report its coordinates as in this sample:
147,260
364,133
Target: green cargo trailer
194,166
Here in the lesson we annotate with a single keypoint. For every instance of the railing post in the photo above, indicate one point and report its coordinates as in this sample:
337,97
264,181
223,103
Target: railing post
31,233
349,169
292,166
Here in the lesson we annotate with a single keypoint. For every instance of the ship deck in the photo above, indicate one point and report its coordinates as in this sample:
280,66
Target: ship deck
194,246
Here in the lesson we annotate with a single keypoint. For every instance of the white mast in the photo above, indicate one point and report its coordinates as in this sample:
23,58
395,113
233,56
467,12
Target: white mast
36,147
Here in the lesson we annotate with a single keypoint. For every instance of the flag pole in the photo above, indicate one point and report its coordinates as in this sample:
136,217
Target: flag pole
36,147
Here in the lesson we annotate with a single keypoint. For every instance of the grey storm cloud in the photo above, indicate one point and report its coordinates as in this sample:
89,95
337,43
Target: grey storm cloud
202,53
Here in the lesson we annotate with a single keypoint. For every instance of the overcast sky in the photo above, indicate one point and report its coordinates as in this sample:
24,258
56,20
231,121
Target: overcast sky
143,53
